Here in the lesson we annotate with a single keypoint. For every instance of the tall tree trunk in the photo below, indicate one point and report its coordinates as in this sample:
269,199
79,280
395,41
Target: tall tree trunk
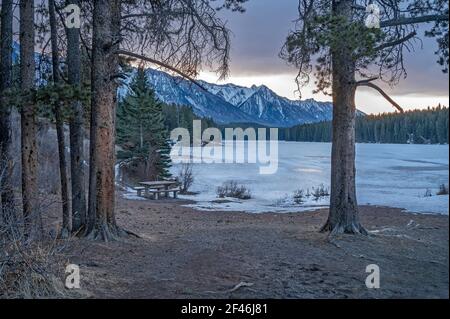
65,229
141,136
32,215
6,42
343,215
77,158
105,66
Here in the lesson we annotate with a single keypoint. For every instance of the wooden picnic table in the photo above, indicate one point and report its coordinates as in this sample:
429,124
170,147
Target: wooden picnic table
157,187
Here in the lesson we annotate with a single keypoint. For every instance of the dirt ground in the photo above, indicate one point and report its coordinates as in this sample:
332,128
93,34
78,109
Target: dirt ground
184,253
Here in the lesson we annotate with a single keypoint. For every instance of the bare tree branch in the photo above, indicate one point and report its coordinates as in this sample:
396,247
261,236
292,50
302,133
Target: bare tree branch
396,42
384,94
162,64
367,80
413,20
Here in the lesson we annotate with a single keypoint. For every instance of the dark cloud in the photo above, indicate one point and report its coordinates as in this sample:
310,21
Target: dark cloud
258,36
259,33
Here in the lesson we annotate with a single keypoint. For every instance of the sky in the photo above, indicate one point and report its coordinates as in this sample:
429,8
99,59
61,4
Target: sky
259,34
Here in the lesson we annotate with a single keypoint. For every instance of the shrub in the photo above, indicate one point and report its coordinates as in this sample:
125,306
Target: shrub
185,178
283,201
320,192
443,190
299,196
234,190
28,269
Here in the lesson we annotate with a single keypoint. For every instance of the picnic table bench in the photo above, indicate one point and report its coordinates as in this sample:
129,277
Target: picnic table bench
157,188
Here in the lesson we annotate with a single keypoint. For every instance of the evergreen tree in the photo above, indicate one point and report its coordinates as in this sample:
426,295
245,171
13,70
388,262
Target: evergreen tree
141,130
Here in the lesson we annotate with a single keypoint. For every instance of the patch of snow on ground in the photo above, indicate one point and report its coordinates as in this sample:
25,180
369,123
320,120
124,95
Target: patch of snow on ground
132,196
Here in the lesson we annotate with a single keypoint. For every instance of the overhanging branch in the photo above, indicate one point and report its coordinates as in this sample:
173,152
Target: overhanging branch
414,20
161,64
359,83
368,83
396,42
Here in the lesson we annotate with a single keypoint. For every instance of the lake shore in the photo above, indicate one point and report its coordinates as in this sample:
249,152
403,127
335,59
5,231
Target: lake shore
389,175
186,253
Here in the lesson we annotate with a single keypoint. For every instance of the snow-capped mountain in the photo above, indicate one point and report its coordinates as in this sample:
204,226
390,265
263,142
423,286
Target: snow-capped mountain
175,90
267,107
43,64
230,103
227,103
231,93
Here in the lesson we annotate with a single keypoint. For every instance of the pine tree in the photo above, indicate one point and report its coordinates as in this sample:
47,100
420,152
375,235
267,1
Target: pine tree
332,43
141,128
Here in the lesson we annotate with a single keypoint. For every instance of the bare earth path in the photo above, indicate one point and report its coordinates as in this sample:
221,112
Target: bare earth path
184,253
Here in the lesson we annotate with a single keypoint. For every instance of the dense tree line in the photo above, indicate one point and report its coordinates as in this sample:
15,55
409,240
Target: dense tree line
417,126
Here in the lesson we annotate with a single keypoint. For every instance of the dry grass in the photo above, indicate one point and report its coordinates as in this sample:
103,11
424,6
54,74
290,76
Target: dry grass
30,270
29,267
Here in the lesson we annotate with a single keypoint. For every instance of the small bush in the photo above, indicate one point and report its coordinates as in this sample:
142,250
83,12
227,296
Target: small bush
283,201
443,190
320,192
299,196
308,193
185,178
234,190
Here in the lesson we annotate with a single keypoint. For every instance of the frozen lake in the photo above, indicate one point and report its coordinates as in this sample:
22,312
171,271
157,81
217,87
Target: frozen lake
387,174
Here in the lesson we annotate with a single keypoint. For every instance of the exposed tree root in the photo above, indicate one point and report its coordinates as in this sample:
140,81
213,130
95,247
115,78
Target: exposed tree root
237,287
130,233
107,232
354,228
79,232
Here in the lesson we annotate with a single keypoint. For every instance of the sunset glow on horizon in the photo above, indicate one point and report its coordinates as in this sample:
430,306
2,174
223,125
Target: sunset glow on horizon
255,47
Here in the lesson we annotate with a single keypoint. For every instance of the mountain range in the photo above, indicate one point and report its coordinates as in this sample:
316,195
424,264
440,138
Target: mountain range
225,103
230,103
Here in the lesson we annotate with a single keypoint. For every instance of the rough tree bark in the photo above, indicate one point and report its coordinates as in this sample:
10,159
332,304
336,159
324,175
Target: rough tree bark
343,216
65,229
6,41
105,67
32,215
77,158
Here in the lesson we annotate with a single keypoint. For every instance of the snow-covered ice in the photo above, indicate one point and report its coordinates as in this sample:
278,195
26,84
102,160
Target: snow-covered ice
387,175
